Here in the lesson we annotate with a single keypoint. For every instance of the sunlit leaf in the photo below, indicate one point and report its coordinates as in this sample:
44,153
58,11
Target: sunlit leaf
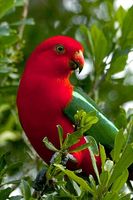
120,181
121,121
77,179
25,188
2,162
80,148
126,197
118,64
124,162
126,28
100,46
104,178
130,131
7,41
120,14
94,164
93,144
60,133
5,6
72,139
49,145
118,146
111,195
102,155
84,36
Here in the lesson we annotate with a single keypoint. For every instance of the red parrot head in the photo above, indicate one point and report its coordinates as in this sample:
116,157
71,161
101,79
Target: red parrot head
65,52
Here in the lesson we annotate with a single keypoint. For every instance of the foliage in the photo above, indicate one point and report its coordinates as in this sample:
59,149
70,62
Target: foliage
106,33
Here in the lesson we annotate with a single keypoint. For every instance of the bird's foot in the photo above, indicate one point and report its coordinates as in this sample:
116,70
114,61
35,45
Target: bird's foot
63,158
39,183
68,157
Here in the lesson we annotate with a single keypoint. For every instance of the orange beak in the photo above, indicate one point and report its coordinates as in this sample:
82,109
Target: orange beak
77,61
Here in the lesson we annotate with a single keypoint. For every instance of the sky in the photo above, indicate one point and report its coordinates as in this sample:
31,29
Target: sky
124,3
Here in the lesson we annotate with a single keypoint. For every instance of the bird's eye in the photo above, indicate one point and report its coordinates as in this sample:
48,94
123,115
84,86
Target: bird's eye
60,49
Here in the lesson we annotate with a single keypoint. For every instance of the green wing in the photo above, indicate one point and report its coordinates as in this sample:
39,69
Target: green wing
104,131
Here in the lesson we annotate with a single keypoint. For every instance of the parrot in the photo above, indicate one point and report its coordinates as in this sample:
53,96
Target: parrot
47,98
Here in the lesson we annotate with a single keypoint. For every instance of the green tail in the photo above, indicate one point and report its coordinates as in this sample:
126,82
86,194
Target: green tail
104,131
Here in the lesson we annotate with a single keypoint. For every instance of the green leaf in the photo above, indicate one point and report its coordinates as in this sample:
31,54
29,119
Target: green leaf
72,139
85,120
25,189
5,6
81,148
84,36
125,197
74,177
93,144
104,178
120,181
4,194
93,182
10,167
126,28
121,120
73,187
49,145
101,189
89,119
3,165
60,133
100,46
120,14
2,162
11,89
111,196
124,162
7,41
94,165
118,64
102,155
118,146
130,131
64,194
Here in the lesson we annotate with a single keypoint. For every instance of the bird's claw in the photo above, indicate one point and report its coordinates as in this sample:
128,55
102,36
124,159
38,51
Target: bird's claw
40,180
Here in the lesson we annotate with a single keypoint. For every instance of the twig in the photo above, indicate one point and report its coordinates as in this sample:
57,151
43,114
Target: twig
15,182
24,16
94,92
98,82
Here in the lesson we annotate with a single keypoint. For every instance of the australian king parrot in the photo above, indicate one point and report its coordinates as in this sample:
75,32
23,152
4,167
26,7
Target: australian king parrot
46,98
